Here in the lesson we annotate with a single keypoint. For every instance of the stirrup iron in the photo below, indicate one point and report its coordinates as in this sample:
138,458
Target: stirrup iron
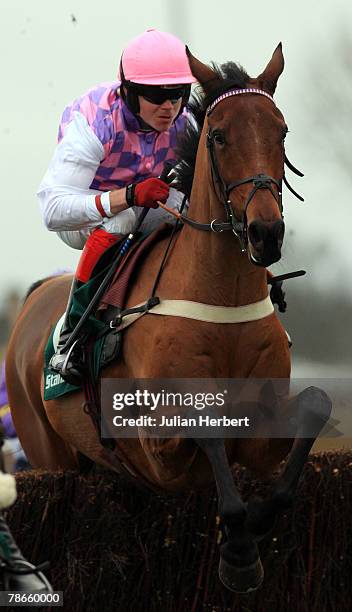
64,370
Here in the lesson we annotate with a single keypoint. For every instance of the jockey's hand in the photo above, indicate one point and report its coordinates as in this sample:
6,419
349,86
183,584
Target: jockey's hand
147,193
277,296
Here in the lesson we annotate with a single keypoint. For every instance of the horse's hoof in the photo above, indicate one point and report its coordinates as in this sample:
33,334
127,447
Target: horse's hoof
241,579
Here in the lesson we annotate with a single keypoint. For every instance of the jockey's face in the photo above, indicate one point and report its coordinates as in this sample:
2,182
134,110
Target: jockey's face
159,116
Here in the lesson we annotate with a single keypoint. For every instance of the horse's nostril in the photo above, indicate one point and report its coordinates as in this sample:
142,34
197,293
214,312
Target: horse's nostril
257,232
254,234
279,230
263,234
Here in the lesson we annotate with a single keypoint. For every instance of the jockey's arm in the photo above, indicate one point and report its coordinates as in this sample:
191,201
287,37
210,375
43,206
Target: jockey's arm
68,204
66,201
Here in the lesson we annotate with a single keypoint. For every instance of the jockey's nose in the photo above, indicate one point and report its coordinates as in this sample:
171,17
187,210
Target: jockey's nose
266,240
167,104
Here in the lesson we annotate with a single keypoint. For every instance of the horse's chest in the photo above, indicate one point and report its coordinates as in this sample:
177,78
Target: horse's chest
179,347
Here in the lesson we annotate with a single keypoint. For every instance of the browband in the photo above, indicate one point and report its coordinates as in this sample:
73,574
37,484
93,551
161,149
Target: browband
237,92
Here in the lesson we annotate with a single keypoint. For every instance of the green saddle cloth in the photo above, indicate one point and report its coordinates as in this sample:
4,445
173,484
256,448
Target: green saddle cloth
54,384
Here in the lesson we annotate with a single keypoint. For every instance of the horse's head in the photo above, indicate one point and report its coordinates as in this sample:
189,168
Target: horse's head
245,139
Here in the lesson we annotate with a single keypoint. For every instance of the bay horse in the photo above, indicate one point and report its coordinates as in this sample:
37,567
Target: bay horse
238,174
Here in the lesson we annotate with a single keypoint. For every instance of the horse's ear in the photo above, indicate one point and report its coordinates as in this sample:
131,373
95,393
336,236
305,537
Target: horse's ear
207,77
269,78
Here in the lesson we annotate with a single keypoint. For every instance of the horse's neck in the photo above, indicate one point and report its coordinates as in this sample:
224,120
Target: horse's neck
214,271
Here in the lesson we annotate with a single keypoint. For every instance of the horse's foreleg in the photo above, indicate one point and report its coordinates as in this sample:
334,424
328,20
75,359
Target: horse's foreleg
313,408
240,567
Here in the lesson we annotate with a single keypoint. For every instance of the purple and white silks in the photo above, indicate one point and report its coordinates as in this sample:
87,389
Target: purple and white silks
131,154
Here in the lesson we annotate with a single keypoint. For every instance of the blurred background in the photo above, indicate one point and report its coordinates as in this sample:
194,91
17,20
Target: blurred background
53,52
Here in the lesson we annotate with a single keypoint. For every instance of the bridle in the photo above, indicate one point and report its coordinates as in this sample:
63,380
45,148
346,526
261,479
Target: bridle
239,227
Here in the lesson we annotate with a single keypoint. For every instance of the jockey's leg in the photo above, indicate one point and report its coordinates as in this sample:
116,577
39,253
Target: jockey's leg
67,359
13,565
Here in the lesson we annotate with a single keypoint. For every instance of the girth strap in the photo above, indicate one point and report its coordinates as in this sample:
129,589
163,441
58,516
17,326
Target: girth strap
197,311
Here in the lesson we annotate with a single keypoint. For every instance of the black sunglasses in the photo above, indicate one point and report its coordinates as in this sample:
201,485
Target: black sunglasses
158,95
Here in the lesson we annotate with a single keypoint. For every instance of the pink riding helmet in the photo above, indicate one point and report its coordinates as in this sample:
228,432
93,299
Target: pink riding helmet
156,58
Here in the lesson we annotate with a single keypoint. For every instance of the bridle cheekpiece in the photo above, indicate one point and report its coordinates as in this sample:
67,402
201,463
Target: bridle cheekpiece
259,181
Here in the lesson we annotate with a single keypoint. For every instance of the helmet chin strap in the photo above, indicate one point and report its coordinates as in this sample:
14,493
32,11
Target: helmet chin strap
144,125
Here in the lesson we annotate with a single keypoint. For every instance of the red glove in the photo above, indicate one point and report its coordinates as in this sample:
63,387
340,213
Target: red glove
147,192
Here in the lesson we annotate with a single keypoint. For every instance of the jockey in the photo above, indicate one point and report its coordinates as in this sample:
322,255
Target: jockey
113,144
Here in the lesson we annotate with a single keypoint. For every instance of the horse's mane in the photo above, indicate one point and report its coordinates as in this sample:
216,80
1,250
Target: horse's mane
35,286
40,282
231,75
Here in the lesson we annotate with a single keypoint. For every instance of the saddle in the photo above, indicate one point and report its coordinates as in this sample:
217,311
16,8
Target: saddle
114,300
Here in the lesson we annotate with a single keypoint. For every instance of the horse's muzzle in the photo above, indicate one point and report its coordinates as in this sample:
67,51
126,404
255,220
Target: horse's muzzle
265,241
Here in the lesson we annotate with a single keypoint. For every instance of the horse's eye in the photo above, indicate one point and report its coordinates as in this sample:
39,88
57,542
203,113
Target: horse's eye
285,132
219,138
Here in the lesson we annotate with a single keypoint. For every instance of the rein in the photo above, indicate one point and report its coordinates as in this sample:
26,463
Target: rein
260,181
